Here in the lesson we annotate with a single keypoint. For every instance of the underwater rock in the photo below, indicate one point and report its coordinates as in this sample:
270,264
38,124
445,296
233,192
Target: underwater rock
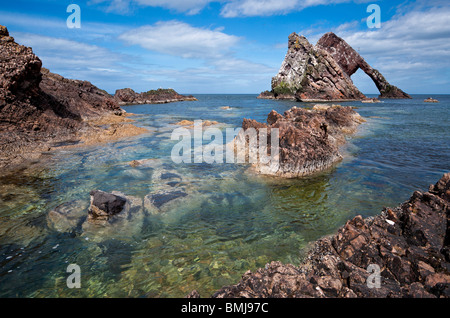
163,201
409,245
67,216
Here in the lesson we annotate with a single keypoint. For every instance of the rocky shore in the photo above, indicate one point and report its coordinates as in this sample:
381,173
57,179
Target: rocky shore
409,245
40,110
309,139
127,96
321,72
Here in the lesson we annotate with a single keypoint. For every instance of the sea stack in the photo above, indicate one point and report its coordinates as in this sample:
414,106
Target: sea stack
323,72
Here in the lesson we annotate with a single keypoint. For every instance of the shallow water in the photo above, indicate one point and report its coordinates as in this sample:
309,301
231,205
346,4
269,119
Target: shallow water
230,222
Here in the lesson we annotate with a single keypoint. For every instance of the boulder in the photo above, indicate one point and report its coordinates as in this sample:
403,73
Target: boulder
104,206
309,140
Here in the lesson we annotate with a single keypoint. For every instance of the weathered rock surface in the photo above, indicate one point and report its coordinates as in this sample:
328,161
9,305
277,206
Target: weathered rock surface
322,72
127,96
309,140
39,108
104,206
350,61
410,245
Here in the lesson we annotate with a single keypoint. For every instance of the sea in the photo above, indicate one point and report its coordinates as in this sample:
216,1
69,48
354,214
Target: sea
231,221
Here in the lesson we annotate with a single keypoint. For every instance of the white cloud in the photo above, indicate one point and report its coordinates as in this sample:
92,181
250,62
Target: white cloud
250,8
189,7
407,49
230,9
181,39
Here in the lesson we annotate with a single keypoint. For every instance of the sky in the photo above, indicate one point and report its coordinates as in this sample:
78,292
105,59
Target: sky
228,46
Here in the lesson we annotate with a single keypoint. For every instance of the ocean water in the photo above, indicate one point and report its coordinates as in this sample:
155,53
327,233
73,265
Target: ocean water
230,222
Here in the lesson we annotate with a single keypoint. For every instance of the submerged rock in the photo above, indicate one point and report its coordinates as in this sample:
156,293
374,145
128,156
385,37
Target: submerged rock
410,245
68,216
161,202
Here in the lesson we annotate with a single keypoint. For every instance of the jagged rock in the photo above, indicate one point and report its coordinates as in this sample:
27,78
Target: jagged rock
266,95
104,206
409,244
39,108
114,222
127,96
308,139
322,72
350,61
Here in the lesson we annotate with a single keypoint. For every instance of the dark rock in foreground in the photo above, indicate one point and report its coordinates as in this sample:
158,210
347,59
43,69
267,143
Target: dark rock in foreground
127,96
322,72
104,206
409,244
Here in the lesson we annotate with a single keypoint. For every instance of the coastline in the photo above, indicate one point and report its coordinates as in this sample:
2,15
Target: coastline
409,245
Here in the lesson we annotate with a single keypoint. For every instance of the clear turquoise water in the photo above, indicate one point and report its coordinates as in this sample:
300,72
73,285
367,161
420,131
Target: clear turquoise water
232,222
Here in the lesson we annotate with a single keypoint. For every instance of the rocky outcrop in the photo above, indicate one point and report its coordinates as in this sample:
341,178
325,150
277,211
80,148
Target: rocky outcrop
322,72
350,61
38,108
127,96
409,245
431,100
309,140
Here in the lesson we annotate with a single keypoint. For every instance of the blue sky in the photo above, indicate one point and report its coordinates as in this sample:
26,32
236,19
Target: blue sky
228,46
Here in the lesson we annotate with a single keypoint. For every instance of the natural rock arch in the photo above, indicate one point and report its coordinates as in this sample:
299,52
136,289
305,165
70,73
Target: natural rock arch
322,72
350,61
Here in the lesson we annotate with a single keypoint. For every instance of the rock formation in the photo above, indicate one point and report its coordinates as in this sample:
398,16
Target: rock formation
410,245
350,61
322,72
39,108
309,140
127,96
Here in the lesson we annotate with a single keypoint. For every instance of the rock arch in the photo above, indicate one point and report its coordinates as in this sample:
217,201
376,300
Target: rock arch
350,61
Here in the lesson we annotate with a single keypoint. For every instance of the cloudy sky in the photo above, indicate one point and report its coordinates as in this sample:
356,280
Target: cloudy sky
228,46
